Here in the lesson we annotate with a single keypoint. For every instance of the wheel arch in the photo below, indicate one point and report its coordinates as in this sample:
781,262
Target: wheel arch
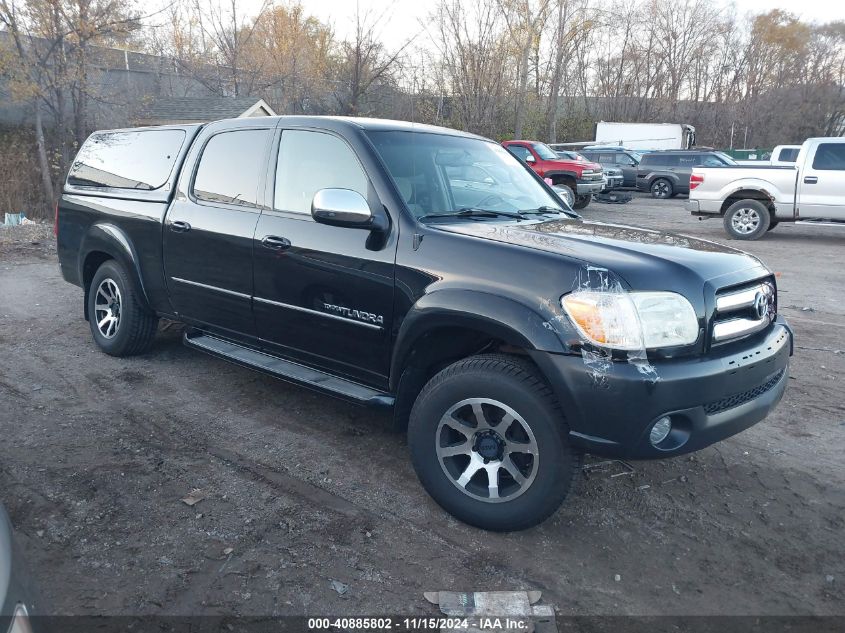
563,177
448,325
103,242
760,195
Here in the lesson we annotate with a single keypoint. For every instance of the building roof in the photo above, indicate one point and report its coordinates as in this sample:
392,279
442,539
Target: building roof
200,109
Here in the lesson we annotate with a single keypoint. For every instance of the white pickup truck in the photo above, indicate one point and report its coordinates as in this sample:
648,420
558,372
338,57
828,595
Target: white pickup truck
753,200
782,156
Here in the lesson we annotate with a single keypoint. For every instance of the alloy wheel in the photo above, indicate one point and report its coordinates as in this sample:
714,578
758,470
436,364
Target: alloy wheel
107,308
660,189
745,220
487,450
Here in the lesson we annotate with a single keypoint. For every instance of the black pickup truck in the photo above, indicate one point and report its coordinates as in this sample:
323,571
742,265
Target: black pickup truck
428,271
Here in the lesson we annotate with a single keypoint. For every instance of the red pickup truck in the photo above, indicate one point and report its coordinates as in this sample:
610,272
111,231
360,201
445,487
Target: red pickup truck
576,180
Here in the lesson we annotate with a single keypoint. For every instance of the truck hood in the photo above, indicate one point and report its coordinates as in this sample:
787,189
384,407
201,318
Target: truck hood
645,259
563,163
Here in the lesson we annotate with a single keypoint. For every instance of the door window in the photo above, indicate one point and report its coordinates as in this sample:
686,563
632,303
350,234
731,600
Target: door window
231,166
310,161
788,154
712,161
830,157
522,153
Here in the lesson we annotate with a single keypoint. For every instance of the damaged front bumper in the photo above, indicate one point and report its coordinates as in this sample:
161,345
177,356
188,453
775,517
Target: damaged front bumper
610,409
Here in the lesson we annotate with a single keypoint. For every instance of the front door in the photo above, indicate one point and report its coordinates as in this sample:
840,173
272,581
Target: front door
821,186
209,230
323,294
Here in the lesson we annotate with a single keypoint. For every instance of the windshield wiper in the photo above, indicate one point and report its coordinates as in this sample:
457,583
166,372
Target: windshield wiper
547,209
472,212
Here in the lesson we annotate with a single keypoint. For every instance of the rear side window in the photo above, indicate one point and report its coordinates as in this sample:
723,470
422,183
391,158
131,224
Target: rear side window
788,154
830,156
230,167
310,161
711,160
127,160
660,160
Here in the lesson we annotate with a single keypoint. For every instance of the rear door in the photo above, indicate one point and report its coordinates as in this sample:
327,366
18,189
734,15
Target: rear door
821,185
210,225
323,294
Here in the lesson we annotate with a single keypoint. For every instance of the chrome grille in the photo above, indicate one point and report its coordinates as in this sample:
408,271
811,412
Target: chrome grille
744,311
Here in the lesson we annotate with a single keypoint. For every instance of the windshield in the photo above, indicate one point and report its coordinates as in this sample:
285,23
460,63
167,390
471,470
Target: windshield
544,151
438,174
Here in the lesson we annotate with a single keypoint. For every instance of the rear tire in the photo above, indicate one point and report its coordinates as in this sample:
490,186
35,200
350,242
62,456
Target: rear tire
527,487
747,220
581,202
661,189
120,323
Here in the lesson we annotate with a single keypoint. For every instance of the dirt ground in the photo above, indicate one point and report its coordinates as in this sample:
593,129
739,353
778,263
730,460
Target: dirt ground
96,454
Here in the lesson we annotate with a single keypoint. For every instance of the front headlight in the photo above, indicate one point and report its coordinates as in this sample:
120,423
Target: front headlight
632,320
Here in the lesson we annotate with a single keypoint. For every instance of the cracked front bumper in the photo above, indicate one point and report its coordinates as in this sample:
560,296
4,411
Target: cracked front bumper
610,409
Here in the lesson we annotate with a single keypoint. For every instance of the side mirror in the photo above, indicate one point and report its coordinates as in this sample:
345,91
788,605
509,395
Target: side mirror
342,207
530,159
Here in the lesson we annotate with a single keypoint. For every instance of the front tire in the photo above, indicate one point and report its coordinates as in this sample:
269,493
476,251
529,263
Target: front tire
566,192
661,189
581,202
489,444
747,220
120,323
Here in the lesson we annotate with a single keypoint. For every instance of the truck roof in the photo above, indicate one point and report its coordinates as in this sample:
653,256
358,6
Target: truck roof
364,123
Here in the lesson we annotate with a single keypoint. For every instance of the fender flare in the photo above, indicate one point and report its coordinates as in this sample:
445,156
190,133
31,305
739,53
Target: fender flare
654,175
108,238
500,317
560,172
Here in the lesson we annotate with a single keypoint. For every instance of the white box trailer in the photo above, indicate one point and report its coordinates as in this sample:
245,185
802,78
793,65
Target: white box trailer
645,136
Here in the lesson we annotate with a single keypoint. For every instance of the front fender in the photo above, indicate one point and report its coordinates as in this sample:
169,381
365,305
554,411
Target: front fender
496,316
104,237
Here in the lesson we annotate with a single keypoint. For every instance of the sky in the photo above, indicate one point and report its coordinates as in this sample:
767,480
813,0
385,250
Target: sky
406,16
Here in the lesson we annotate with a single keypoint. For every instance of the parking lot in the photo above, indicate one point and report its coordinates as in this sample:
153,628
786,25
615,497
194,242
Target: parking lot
299,490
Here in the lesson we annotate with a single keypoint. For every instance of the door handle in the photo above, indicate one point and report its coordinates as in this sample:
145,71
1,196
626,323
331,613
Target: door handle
810,180
275,243
180,227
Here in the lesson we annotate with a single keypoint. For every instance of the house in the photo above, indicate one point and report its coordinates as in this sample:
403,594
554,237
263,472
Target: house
178,110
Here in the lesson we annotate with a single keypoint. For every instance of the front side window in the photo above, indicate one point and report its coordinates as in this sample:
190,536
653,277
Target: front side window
442,174
230,167
830,156
522,153
310,161
127,160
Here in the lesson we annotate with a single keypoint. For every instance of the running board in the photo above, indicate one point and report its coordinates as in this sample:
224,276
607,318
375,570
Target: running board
287,370
820,222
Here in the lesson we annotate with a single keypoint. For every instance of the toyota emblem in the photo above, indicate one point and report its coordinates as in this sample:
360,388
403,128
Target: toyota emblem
761,305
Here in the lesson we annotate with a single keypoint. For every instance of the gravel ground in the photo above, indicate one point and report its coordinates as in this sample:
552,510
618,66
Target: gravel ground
300,490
